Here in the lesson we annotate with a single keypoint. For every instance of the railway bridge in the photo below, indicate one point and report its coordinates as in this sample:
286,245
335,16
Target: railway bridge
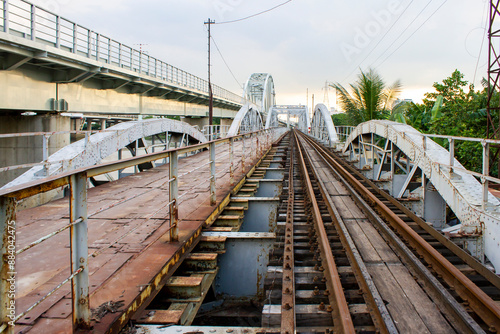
284,223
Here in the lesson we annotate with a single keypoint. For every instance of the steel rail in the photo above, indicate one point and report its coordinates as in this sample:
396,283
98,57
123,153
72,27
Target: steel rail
288,319
380,314
485,307
342,316
463,255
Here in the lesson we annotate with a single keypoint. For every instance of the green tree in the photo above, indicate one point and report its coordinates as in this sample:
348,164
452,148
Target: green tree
370,97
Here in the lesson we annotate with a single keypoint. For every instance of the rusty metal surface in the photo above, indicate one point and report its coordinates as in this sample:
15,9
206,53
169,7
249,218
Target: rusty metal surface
288,322
116,273
478,300
343,321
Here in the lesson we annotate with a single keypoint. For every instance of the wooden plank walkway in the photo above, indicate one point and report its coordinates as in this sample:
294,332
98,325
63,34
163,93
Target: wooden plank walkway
129,250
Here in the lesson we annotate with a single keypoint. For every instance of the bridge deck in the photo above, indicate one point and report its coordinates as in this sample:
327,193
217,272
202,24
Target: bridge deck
128,241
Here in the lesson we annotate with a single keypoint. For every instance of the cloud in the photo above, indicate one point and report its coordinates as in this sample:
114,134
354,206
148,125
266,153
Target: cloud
299,43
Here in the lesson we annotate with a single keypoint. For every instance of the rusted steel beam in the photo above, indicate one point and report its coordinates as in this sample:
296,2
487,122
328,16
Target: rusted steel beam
173,195
342,317
288,323
231,161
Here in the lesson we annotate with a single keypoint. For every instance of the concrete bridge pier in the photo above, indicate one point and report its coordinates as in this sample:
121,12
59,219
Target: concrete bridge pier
24,150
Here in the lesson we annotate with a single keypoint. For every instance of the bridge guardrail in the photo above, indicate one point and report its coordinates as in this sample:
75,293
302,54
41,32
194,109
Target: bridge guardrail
24,19
78,223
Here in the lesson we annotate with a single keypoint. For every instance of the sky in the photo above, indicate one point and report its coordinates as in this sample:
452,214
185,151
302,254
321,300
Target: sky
303,44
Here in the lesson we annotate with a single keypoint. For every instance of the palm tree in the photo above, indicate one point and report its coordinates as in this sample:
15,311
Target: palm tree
370,98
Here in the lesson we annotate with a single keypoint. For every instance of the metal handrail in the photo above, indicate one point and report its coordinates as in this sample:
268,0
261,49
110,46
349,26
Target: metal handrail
77,180
24,19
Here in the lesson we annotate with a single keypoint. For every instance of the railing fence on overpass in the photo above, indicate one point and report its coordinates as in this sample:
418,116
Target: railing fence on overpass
24,19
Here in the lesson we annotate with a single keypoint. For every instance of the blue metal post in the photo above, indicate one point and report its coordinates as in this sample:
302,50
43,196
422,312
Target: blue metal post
79,251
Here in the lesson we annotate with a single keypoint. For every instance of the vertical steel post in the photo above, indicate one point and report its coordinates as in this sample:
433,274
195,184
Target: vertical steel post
6,16
97,46
58,31
79,251
173,194
120,54
231,161
75,37
213,198
7,264
243,155
251,147
486,172
452,153
45,153
393,151
136,167
372,162
120,171
33,22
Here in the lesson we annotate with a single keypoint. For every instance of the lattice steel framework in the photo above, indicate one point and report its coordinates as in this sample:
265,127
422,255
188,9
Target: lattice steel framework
493,130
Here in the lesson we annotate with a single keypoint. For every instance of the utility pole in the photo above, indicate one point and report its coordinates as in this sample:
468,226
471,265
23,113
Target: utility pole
210,94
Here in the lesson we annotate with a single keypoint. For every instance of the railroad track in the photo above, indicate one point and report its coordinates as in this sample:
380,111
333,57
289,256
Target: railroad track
463,291
347,258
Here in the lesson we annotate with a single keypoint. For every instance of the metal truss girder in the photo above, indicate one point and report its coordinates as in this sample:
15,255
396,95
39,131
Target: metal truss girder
460,190
259,89
322,127
90,151
248,119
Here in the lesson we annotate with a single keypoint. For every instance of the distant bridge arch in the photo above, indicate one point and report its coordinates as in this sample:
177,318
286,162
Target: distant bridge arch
322,127
248,119
259,89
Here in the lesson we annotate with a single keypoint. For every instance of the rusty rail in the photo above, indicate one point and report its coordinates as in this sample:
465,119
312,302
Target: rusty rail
342,317
288,320
478,300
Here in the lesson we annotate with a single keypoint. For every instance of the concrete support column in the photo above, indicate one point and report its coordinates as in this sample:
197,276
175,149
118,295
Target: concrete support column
24,150
196,121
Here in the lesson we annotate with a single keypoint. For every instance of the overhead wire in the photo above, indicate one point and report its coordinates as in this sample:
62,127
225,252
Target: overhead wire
380,40
402,33
406,40
482,41
225,63
254,15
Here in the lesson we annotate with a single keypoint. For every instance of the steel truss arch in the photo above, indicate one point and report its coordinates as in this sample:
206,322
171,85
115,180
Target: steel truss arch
322,127
259,89
248,119
298,113
408,150
92,150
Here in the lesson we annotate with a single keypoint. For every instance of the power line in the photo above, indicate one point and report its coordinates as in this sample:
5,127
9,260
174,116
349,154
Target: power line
482,41
380,40
405,29
224,60
248,17
445,1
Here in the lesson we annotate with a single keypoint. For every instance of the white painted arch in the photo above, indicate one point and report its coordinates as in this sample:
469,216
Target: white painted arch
248,119
322,127
460,190
85,153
